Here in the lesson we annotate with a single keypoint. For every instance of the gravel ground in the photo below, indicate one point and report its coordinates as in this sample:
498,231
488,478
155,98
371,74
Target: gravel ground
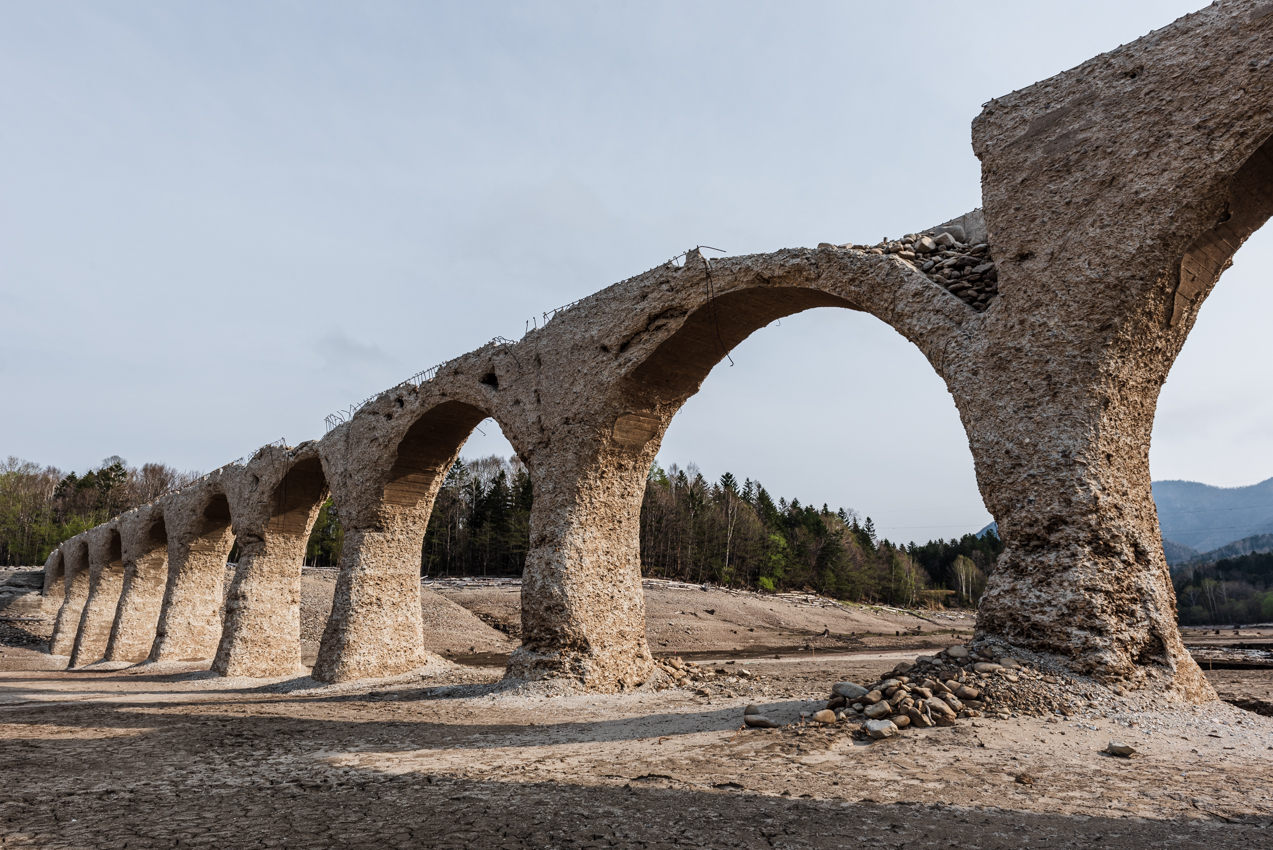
451,756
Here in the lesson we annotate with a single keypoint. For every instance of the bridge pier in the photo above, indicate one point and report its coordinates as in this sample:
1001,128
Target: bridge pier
583,607
75,584
262,634
200,537
384,500
106,580
145,548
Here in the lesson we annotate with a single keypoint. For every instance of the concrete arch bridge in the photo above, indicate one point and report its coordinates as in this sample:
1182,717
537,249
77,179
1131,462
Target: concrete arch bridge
1114,196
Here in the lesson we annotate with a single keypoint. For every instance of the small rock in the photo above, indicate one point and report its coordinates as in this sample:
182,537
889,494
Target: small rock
702,692
903,667
849,690
1024,779
957,651
926,245
954,230
940,708
901,721
880,729
751,709
945,240
837,702
824,716
872,697
986,667
759,721
1010,663
878,710
1118,748
919,719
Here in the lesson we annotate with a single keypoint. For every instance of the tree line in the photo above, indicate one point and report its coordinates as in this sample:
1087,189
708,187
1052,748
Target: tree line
42,506
722,532
1232,590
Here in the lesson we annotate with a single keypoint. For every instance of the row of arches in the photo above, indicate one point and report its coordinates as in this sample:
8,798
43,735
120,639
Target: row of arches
149,585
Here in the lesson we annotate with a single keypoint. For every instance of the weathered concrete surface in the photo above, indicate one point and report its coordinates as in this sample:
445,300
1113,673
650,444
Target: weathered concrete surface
1114,196
274,502
1102,187
75,594
144,540
200,537
106,581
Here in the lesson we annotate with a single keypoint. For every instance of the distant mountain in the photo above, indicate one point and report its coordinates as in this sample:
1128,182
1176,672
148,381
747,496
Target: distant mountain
1256,545
1201,523
1179,553
1204,518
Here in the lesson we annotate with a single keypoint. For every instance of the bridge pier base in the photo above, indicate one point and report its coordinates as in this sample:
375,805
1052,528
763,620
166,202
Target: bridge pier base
583,608
376,627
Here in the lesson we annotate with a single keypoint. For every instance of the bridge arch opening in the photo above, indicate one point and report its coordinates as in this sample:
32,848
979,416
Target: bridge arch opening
1242,206
200,542
679,365
376,626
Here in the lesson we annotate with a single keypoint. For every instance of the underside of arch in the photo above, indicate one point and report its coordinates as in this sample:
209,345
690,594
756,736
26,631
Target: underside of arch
1248,204
427,450
302,487
677,368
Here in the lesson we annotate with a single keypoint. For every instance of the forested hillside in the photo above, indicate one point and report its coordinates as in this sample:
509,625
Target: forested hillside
42,506
1231,590
723,532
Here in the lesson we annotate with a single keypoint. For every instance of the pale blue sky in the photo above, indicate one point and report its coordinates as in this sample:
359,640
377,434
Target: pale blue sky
220,222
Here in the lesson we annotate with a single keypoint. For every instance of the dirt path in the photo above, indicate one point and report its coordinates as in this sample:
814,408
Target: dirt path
181,759
176,757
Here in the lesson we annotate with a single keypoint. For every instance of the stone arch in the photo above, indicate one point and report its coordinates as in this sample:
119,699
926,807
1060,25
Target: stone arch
106,581
200,539
375,628
582,602
1245,202
281,492
75,594
678,366
145,539
54,576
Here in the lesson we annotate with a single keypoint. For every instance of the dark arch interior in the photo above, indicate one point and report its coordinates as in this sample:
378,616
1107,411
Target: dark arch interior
215,519
1248,205
157,534
75,558
679,365
427,449
114,550
303,487
57,574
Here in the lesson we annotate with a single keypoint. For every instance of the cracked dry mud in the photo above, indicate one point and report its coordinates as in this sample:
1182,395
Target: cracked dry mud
174,757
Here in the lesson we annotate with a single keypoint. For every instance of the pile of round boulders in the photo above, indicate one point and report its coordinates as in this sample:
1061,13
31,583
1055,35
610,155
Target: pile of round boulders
966,271
958,683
